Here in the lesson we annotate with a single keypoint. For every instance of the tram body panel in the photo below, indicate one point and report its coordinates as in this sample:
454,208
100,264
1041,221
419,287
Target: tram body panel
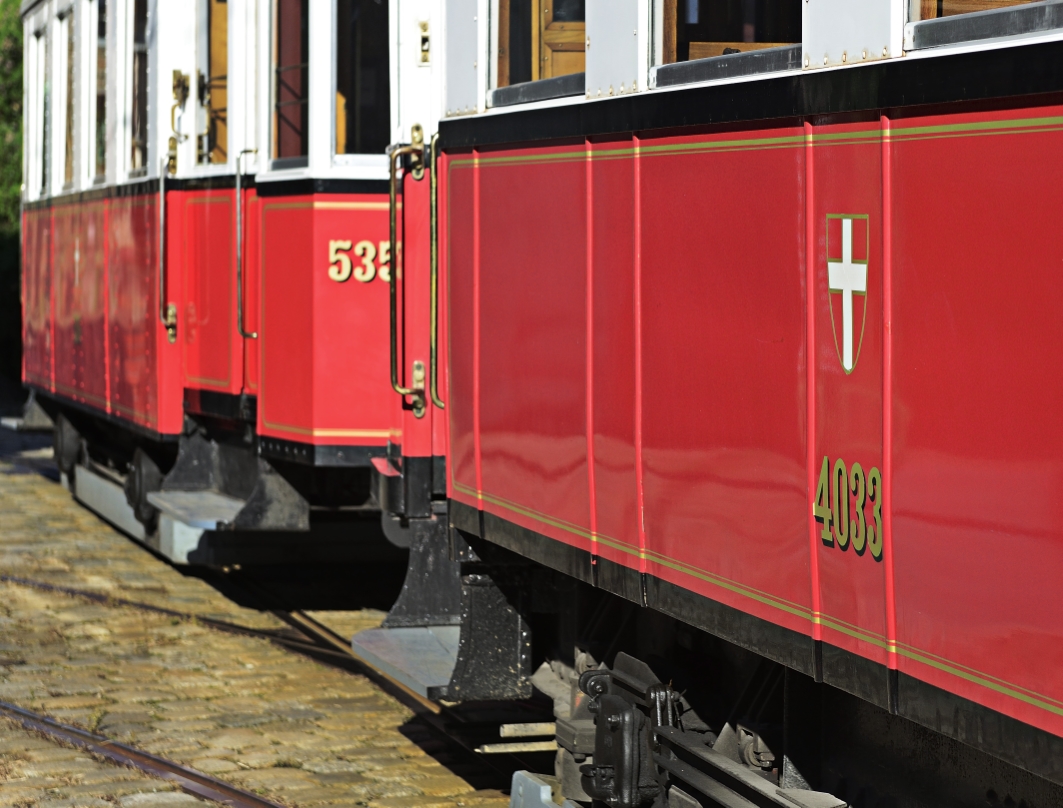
145,370
80,284
458,201
533,355
416,434
729,477
847,232
723,355
252,296
612,335
323,352
978,543
206,248
37,297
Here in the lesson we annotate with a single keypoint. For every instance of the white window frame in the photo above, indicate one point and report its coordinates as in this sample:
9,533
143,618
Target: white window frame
89,17
354,166
61,32
36,48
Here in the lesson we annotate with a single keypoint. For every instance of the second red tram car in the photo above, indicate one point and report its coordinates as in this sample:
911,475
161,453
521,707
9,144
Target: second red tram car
207,255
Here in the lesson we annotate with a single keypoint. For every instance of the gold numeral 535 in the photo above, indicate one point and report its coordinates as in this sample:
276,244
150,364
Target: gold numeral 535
341,268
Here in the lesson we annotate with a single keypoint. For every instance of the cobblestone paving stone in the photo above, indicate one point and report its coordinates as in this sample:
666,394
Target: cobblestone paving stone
239,708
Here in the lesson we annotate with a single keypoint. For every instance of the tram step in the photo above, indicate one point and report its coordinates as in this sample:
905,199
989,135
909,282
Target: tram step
206,510
184,516
421,657
107,498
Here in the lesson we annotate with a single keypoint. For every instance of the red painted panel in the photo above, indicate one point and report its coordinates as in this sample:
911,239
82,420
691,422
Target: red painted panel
323,341
416,433
848,227
133,309
37,298
723,356
440,426
92,279
533,309
212,348
458,195
66,287
286,337
612,265
80,334
978,475
252,259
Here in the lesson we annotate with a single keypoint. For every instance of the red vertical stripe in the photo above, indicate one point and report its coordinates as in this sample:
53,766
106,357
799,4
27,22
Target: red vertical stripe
476,325
810,371
592,498
639,488
107,302
887,391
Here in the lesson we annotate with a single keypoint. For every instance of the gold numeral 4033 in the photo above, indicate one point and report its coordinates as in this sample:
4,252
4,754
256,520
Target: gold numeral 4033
842,498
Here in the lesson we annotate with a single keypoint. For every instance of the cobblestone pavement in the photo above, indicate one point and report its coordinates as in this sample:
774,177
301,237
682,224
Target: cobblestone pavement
240,708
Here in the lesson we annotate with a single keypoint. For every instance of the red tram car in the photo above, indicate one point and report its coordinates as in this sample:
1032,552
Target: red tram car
206,262
750,312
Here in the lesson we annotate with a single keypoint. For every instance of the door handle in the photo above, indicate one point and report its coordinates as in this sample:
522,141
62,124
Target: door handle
416,151
240,249
433,257
167,311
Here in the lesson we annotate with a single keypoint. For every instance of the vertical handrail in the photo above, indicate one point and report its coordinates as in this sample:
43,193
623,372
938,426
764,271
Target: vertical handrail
433,337
396,155
167,311
240,248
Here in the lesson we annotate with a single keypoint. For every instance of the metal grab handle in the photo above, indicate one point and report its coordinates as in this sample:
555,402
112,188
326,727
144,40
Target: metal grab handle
433,337
240,249
167,311
419,403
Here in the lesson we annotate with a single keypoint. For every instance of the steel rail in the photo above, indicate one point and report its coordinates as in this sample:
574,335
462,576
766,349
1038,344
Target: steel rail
186,779
320,640
320,643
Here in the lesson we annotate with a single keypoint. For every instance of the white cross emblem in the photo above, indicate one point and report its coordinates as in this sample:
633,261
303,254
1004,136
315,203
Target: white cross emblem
846,277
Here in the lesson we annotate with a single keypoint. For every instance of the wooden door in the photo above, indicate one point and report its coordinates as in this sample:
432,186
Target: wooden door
562,37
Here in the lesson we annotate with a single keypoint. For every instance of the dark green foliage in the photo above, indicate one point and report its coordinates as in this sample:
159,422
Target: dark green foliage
10,187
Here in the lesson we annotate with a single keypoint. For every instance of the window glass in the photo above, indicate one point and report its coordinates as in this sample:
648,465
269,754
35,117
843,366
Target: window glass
931,9
213,141
363,103
68,84
101,87
290,87
698,29
540,39
138,159
44,110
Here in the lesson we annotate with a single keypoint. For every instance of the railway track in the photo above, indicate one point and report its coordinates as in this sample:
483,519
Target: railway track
462,729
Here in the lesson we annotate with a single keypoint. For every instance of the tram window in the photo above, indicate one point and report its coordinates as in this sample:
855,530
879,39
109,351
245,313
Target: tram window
43,99
699,29
66,51
138,159
290,85
540,39
932,9
363,103
213,83
101,88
